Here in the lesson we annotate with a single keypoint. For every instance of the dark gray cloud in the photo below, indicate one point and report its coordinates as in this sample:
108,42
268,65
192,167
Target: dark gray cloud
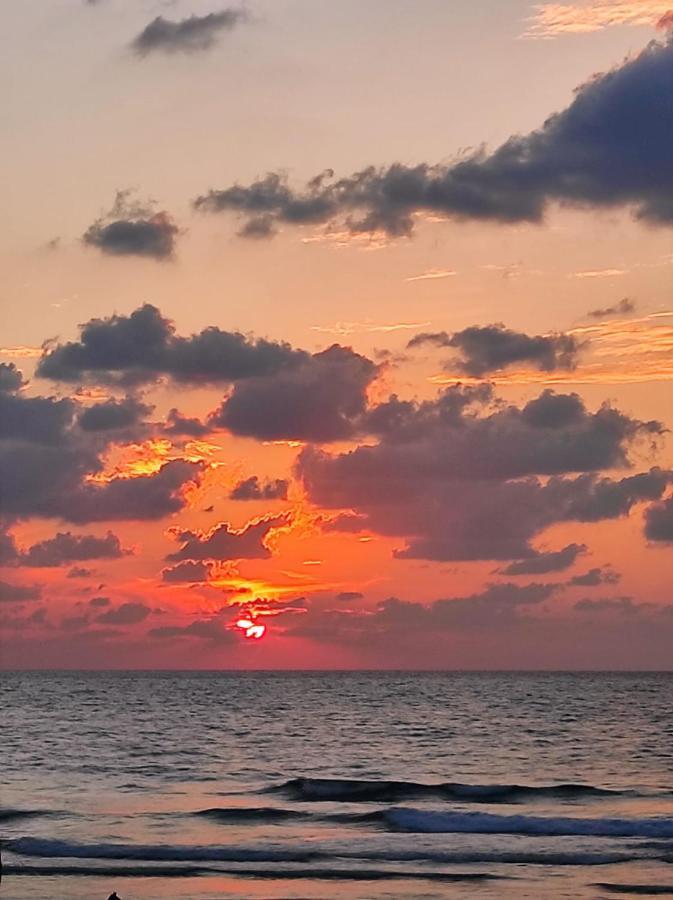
223,542
551,561
624,308
80,572
593,499
66,547
187,571
18,593
127,614
52,482
133,229
489,348
624,605
322,399
143,497
50,448
114,414
191,35
349,596
259,228
143,346
611,147
351,523
253,489
659,521
595,577
41,420
179,425
497,606
99,602
11,378
206,629
460,485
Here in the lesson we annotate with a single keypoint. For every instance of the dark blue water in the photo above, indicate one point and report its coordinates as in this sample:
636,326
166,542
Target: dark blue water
336,785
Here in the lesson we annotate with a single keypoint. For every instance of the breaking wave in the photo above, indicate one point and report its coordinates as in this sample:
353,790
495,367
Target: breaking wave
346,790
431,822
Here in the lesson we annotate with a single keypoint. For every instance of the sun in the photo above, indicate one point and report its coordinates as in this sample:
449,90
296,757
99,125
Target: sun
250,630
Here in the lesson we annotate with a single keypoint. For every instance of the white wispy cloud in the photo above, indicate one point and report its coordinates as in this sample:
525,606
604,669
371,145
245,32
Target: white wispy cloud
599,273
431,274
21,352
345,328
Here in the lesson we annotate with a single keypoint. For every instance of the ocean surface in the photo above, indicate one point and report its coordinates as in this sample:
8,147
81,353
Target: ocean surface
336,785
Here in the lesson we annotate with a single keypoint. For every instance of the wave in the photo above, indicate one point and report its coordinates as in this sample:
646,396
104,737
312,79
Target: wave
192,871
56,849
646,889
108,871
430,822
240,815
352,790
13,815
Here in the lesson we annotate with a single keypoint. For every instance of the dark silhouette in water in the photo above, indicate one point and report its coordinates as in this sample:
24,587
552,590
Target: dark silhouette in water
113,896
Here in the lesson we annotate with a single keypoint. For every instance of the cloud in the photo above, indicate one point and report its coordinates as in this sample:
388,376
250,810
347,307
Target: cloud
224,542
114,414
624,308
40,420
143,346
490,348
350,523
18,593
497,606
551,561
609,148
624,605
178,424
322,399
659,521
665,23
595,577
11,378
344,329
205,629
55,482
431,275
133,230
66,547
99,602
349,596
142,497
127,614
187,571
252,489
599,273
191,35
552,20
458,480
80,572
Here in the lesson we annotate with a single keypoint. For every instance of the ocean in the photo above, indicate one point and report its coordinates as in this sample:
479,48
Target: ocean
205,785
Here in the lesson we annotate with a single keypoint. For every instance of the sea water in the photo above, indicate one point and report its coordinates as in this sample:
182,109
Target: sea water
336,785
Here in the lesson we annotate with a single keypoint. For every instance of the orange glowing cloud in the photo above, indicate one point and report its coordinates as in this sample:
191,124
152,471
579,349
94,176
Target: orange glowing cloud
626,351
551,20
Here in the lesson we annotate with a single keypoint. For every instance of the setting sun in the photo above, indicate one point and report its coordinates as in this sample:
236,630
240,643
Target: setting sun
250,630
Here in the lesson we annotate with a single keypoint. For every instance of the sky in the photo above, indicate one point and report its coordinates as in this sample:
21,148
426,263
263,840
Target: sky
337,335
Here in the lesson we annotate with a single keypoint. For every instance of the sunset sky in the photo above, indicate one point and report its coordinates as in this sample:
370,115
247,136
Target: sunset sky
351,320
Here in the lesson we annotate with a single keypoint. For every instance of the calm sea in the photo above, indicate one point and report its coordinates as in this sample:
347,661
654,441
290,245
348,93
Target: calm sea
336,785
